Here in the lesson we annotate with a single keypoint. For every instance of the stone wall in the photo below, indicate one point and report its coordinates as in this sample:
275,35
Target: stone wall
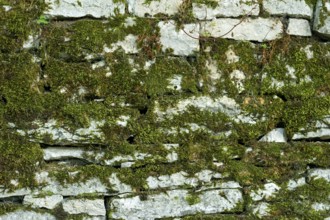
165,109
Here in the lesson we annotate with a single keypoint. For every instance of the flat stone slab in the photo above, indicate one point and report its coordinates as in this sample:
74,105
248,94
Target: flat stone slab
176,203
141,8
292,8
93,207
322,19
233,8
27,215
259,29
299,27
82,8
48,202
276,135
182,42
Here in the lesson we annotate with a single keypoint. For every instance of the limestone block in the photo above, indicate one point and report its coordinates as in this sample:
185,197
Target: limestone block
259,29
322,19
48,202
267,192
292,8
182,42
322,131
319,173
27,215
62,153
93,207
82,8
141,8
276,135
227,8
176,203
299,27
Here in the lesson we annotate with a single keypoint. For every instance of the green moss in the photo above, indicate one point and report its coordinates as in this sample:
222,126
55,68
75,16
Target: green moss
19,160
193,199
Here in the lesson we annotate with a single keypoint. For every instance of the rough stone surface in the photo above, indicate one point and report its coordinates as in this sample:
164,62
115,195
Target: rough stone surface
82,8
322,131
27,215
142,8
319,173
299,27
259,29
275,135
62,153
322,18
292,8
233,8
93,207
269,190
182,42
48,202
175,203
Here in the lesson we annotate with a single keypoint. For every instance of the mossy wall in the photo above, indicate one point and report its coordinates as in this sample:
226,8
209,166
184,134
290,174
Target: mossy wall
138,115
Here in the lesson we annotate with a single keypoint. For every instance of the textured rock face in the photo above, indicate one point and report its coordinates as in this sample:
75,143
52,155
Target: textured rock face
248,29
322,18
154,109
292,8
234,8
82,8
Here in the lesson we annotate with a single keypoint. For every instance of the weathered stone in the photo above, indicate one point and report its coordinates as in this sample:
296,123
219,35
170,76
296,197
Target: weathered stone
82,8
322,18
228,8
182,42
28,215
259,29
93,207
142,8
128,45
269,190
292,184
48,202
292,8
62,153
319,173
275,135
322,131
19,192
299,27
176,203
261,209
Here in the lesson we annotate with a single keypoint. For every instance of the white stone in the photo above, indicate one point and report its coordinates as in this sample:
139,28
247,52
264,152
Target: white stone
261,209
292,8
183,42
27,215
118,186
175,82
128,45
231,56
317,206
19,192
322,19
174,204
258,29
172,157
292,184
82,8
31,42
48,202
308,51
7,7
269,190
93,207
123,119
142,9
277,135
62,153
319,173
226,8
238,78
127,158
299,27
322,131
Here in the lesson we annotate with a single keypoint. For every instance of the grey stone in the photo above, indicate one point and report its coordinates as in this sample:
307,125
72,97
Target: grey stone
267,192
299,27
27,215
174,203
276,135
322,131
48,202
292,8
93,207
227,8
141,8
82,8
258,29
62,153
319,173
182,42
322,18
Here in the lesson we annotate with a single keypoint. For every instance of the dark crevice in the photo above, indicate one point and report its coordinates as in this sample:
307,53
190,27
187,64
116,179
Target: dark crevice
143,110
71,162
12,199
47,88
130,139
87,146
312,140
3,100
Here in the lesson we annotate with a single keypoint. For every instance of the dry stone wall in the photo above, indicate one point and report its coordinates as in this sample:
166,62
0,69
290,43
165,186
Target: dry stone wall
164,109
